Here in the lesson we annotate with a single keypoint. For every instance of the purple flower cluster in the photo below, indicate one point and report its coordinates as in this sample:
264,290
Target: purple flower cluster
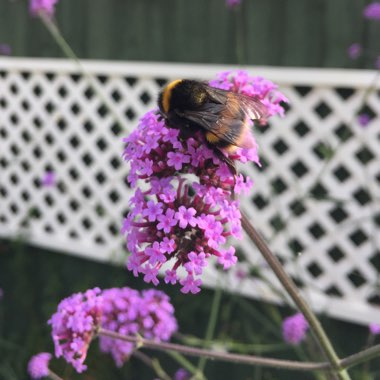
294,328
42,6
38,366
265,90
187,208
75,324
372,11
128,312
176,218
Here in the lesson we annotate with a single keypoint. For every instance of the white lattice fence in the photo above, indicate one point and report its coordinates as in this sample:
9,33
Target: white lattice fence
319,211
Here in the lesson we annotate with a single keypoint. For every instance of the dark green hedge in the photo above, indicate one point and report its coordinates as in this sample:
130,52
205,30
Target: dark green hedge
271,32
34,281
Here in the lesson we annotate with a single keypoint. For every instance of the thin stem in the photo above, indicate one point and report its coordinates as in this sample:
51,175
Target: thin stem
225,356
180,359
360,357
69,53
211,325
349,361
54,376
294,293
152,363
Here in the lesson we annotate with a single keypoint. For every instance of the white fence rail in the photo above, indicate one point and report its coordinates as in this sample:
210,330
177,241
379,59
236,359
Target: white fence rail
321,215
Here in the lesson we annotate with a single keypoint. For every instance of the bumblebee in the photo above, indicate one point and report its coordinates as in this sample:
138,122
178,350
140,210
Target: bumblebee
223,116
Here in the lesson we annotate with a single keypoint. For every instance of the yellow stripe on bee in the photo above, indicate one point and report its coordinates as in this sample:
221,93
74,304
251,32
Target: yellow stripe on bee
167,94
211,138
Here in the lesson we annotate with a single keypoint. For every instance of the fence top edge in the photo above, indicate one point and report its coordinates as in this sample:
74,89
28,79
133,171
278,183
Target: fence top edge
282,75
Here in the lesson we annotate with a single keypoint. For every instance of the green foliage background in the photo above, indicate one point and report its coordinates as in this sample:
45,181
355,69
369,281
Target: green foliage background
271,32
34,281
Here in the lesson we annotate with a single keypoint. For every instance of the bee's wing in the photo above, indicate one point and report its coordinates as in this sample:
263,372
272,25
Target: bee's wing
227,115
252,105
210,119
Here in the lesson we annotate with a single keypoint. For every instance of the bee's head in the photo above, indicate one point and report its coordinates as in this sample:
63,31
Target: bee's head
182,94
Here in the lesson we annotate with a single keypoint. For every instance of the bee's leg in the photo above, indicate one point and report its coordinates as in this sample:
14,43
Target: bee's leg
161,116
228,161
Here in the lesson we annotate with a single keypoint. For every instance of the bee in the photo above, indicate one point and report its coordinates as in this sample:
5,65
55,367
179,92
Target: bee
224,117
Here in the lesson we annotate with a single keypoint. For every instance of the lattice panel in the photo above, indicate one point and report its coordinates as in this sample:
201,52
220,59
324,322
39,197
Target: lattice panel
316,198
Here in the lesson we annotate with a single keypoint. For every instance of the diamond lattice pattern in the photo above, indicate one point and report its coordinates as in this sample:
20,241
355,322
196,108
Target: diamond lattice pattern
316,196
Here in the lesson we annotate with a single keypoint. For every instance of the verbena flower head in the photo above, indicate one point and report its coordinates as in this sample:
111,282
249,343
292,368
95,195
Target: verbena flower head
75,324
372,11
128,312
374,328
42,6
38,366
294,328
354,51
185,210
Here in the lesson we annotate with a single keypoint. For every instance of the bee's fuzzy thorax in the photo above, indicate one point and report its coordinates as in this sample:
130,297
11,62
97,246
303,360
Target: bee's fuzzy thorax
182,94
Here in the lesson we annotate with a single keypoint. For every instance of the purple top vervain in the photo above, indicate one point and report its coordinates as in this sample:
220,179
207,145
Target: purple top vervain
123,310
188,207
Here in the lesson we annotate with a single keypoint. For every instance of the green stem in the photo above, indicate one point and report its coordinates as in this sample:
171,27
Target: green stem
152,363
180,359
216,355
294,293
211,325
69,53
54,376
360,357
350,361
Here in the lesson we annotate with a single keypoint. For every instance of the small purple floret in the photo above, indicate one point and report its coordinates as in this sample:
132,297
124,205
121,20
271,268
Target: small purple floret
374,328
354,51
372,11
294,329
42,6
38,366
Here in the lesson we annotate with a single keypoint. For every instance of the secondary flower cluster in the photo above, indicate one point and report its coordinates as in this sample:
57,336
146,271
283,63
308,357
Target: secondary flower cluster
125,311
75,324
186,209
128,312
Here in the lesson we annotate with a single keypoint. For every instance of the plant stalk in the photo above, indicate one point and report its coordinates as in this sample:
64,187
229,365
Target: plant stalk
295,295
